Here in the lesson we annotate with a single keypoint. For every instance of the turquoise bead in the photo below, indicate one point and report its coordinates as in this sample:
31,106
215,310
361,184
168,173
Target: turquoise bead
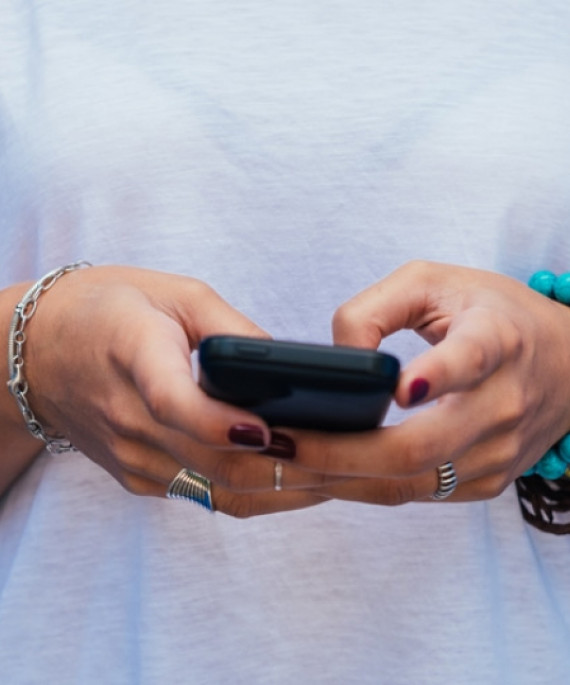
562,288
551,466
556,461
563,448
543,282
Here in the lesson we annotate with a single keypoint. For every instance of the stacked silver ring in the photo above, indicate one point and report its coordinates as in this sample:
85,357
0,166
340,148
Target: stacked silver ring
447,481
192,487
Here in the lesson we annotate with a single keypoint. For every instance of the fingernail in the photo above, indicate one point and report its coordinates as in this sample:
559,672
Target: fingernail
281,446
418,390
246,435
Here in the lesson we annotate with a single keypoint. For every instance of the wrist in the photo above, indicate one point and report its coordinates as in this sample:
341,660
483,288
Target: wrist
18,448
555,463
9,412
18,386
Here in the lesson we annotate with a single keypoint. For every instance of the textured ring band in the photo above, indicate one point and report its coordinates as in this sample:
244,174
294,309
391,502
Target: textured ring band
447,481
192,487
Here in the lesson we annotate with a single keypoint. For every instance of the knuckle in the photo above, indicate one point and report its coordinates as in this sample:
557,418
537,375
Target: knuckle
493,486
157,402
230,474
416,455
512,410
419,271
505,343
513,341
113,415
128,460
198,294
123,423
397,492
440,370
207,431
132,459
133,485
323,458
481,359
200,288
508,456
346,317
417,267
237,506
331,464
516,445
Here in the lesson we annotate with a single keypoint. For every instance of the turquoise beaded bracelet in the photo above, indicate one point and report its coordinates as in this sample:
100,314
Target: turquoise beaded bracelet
556,462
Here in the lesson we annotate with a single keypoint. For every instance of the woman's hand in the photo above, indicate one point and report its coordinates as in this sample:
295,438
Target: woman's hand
107,360
497,371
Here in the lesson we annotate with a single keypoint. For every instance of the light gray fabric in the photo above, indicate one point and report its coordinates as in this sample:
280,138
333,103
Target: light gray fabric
290,154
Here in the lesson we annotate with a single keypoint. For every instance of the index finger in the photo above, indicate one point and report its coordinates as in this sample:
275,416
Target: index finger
161,371
446,305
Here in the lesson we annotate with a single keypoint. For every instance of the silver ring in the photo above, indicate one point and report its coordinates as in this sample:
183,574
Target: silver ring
192,487
278,476
447,481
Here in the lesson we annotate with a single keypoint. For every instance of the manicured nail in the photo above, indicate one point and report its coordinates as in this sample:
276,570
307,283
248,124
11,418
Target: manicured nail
418,390
281,446
246,435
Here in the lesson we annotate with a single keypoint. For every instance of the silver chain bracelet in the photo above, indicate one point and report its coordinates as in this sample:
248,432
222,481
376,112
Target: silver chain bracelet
17,384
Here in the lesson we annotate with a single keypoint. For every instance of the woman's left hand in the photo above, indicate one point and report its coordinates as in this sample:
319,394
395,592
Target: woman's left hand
497,371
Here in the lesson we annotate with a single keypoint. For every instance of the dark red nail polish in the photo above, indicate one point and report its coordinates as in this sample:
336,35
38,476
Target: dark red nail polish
418,390
246,435
281,446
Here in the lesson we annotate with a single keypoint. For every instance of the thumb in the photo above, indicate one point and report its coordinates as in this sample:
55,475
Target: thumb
407,298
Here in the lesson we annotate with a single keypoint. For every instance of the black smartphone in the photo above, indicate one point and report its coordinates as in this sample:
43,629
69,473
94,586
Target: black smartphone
303,385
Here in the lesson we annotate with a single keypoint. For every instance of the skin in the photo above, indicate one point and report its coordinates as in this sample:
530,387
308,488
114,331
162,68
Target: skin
499,352
18,448
115,378
135,409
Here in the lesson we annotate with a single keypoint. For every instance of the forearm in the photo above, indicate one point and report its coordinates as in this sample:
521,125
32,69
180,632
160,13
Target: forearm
18,448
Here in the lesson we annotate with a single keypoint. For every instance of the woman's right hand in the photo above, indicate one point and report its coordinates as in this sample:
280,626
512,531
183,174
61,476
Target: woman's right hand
107,360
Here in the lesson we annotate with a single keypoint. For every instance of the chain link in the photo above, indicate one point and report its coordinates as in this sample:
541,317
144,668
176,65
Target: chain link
17,383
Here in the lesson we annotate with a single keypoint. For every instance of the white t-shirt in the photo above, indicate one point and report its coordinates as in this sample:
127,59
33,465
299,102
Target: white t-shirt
288,153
